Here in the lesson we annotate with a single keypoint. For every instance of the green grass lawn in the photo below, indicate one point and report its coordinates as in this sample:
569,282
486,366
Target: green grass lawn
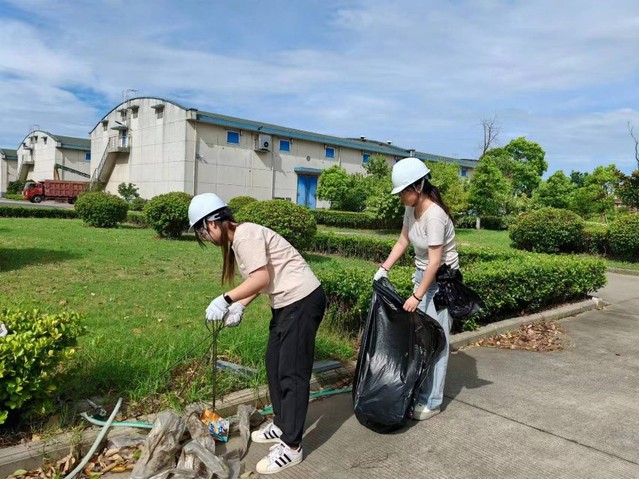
143,302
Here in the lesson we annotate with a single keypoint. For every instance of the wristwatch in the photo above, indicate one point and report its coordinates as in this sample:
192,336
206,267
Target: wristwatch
228,299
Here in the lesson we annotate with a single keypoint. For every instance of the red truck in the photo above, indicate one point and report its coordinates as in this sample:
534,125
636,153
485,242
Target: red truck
58,190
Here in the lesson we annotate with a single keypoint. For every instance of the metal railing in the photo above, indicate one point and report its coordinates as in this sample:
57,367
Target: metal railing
115,143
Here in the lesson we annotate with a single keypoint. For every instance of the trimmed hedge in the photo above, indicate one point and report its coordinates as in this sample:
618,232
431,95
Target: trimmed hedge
168,214
31,355
548,230
35,212
596,238
136,218
624,237
293,222
521,285
239,202
101,209
377,249
352,219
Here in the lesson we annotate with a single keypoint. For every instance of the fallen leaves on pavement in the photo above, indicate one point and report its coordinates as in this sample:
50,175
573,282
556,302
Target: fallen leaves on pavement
542,337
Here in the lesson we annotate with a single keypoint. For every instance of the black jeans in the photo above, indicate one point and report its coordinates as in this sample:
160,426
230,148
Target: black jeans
289,362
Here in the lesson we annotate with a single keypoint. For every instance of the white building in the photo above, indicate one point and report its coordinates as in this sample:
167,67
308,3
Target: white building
161,146
44,156
8,168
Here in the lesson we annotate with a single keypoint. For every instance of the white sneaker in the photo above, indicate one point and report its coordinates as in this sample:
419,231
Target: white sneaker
421,412
279,458
269,433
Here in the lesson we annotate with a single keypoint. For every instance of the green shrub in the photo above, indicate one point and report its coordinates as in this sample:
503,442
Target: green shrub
293,222
548,230
34,212
352,219
236,204
377,249
15,187
33,352
465,221
596,238
137,204
101,209
520,285
13,196
136,218
168,214
624,237
497,222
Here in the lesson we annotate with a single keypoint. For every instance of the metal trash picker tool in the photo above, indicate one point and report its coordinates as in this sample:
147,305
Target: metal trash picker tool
218,426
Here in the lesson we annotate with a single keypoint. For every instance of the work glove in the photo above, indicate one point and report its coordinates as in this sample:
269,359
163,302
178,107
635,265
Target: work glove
381,273
234,317
217,309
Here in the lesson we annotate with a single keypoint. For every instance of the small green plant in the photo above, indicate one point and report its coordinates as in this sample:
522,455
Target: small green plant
15,187
33,352
624,237
293,222
167,214
548,230
137,204
236,204
128,192
101,209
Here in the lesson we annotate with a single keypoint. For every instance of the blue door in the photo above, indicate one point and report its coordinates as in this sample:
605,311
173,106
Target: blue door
306,190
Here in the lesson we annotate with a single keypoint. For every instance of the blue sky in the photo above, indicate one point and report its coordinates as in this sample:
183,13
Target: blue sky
423,74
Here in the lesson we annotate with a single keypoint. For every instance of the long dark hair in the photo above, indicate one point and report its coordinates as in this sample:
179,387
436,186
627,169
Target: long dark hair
432,192
225,222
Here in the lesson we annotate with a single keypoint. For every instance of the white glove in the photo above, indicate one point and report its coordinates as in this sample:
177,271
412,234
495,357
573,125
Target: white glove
381,273
236,310
217,309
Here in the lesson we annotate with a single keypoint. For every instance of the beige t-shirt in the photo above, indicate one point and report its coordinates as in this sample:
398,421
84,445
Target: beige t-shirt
433,228
291,277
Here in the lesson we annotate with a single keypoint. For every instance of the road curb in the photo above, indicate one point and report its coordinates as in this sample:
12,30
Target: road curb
629,272
32,455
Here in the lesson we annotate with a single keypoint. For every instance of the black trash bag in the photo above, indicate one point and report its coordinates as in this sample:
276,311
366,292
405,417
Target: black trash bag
453,294
395,356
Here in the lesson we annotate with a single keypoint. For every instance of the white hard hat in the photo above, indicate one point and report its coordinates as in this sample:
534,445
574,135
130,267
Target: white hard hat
406,172
202,206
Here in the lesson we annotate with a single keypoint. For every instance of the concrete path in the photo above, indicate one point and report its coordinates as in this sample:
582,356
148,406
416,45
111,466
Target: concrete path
508,414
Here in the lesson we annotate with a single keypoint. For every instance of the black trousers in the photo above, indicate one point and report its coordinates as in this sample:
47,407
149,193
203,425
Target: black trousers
289,362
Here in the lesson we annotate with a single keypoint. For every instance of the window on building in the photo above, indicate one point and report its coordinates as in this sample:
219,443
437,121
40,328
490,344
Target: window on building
44,140
365,158
233,137
464,172
123,115
285,145
34,139
87,156
159,113
134,113
330,152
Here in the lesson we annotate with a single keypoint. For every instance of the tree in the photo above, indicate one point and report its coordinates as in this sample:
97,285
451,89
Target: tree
596,196
488,189
345,193
628,189
577,178
128,192
554,192
491,131
632,134
522,163
445,176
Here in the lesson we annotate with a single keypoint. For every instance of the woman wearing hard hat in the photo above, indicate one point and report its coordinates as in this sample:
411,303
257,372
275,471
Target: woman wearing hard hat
428,226
270,265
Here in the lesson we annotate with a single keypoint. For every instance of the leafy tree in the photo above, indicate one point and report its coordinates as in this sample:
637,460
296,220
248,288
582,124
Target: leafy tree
628,189
445,176
333,186
596,196
377,167
522,163
555,192
488,189
128,192
577,178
